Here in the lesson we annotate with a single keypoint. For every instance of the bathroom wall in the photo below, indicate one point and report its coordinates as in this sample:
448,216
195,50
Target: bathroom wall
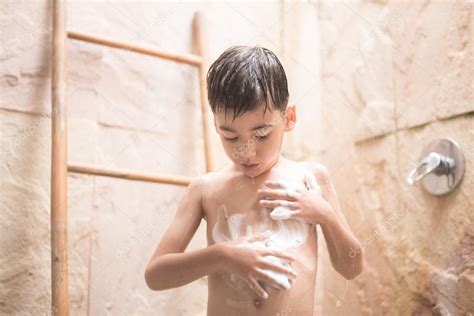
395,75
124,111
373,82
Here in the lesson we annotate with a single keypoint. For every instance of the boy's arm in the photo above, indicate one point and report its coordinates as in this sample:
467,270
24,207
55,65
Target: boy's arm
170,266
344,248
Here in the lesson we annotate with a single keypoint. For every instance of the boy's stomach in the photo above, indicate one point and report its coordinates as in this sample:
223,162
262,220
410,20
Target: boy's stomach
230,295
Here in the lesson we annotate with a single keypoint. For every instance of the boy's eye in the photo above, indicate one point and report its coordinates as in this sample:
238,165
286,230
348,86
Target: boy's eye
257,137
261,137
231,139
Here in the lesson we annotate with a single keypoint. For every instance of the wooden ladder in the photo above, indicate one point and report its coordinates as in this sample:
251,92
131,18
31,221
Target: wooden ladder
59,164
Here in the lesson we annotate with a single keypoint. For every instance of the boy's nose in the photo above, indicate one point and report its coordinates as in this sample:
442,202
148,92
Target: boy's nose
249,151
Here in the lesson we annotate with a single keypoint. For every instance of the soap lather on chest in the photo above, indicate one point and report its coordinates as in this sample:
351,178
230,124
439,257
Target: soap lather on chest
286,233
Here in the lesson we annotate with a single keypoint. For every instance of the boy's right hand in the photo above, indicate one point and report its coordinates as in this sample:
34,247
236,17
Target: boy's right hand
249,262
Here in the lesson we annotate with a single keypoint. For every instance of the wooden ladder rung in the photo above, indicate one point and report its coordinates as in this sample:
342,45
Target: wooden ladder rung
194,60
127,174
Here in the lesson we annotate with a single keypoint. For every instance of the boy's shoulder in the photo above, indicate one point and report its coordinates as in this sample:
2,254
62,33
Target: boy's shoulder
320,171
211,178
200,181
211,184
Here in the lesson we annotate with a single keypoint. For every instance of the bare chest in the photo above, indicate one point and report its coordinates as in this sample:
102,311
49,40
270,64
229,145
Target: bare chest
233,210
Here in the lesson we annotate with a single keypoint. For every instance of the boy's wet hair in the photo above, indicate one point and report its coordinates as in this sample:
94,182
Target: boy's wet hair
243,78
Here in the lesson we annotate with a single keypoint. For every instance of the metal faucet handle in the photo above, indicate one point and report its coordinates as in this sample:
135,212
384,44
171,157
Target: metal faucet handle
434,162
440,168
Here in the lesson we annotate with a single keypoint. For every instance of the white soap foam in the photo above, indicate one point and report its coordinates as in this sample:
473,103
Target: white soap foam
285,234
311,181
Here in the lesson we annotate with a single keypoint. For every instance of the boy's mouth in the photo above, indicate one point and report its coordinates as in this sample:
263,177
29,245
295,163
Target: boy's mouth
249,166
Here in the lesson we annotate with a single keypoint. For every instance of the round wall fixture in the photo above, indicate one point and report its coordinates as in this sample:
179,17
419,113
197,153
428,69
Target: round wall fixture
441,167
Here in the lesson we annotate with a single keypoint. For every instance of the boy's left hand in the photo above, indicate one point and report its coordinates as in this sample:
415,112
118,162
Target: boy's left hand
307,204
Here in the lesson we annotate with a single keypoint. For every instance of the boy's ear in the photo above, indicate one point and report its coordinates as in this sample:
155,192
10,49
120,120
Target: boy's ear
290,117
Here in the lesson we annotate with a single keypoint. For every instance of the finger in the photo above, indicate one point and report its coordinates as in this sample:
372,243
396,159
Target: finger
270,281
275,184
276,194
275,203
280,213
278,280
277,253
257,288
270,265
259,236
295,213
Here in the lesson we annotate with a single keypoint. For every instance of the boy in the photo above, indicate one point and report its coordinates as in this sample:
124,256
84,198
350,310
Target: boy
261,210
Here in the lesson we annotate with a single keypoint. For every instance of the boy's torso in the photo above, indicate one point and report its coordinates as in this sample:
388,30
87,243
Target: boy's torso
229,295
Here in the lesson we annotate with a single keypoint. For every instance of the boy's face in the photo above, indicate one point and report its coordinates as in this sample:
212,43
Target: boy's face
253,141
